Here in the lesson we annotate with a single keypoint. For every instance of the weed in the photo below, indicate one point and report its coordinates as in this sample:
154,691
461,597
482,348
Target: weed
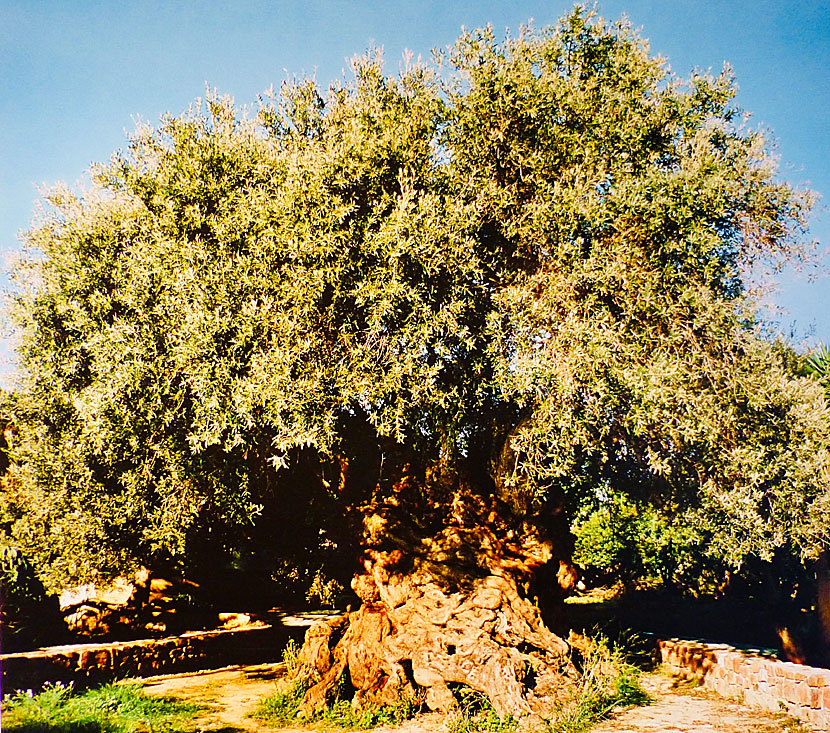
291,658
283,708
342,714
607,681
111,708
474,712
792,725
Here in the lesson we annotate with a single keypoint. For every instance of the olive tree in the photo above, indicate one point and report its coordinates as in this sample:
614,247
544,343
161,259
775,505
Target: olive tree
452,302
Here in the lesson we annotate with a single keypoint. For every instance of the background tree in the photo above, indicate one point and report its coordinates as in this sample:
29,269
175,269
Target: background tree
818,365
446,307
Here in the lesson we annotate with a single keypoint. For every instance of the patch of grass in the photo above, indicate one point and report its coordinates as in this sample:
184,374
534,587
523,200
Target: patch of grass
283,708
789,724
342,715
474,713
607,681
107,709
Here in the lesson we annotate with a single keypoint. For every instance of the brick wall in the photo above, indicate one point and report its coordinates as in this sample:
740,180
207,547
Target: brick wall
802,691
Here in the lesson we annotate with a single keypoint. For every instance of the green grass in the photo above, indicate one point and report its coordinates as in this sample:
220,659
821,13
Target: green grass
607,681
342,715
474,712
110,708
282,709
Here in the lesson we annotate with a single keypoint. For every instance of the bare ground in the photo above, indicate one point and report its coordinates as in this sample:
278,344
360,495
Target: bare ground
694,710
231,694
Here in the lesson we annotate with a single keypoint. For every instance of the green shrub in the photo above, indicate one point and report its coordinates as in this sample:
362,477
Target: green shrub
630,542
24,602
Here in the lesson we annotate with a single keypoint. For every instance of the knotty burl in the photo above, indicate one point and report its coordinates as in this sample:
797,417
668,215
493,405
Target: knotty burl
446,582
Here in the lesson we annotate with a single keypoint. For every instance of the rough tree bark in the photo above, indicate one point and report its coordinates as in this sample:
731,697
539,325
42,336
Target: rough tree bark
444,587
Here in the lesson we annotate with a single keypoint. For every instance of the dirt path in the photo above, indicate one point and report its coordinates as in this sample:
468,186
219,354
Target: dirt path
694,710
231,694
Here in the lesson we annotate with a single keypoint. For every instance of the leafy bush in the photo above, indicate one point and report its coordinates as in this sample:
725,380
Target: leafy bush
629,542
21,587
323,589
29,616
111,708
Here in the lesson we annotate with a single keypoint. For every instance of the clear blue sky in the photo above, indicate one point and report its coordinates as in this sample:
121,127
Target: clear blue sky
76,74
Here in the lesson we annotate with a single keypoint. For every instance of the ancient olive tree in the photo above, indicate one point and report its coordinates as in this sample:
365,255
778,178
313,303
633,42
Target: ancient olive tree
459,299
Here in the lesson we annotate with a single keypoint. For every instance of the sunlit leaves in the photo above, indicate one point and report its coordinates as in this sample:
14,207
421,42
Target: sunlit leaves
543,239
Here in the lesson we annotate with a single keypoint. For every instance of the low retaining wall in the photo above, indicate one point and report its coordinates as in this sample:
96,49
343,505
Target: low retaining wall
801,691
88,663
192,651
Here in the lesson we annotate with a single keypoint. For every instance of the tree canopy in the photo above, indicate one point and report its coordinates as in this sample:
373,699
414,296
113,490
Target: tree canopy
525,260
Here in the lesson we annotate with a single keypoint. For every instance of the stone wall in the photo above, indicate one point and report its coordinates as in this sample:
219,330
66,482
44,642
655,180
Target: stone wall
801,691
89,663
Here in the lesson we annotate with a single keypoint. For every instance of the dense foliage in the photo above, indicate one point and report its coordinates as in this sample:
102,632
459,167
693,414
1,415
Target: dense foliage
527,257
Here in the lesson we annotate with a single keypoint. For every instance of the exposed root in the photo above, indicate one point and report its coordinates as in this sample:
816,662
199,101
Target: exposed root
446,609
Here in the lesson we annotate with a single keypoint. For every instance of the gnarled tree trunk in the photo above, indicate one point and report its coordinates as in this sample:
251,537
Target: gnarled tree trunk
444,590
